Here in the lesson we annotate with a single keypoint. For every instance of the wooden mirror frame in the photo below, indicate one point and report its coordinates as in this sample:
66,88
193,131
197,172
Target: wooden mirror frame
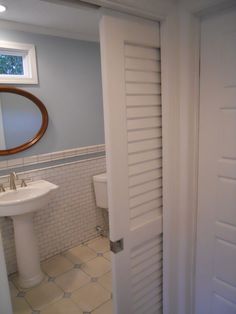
43,128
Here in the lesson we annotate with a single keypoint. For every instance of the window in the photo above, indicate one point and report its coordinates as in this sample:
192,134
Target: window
17,63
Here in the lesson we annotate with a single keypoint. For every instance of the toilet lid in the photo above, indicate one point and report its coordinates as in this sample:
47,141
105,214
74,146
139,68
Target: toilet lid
100,177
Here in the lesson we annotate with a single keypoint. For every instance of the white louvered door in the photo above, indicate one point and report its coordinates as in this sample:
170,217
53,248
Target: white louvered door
130,52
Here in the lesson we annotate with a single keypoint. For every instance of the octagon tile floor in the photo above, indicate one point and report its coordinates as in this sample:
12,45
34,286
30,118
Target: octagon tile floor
77,281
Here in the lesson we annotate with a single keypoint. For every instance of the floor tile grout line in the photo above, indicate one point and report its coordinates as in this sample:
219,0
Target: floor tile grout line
53,302
71,299
82,244
79,287
73,264
87,285
78,262
100,305
104,288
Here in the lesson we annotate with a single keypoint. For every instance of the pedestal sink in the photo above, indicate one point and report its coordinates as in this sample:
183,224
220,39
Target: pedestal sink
20,205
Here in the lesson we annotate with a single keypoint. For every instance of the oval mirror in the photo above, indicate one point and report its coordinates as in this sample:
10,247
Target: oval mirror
23,120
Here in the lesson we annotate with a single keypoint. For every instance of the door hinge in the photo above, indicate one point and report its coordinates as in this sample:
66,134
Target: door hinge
117,246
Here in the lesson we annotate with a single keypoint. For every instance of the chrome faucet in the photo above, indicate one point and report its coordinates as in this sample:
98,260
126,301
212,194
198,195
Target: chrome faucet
13,178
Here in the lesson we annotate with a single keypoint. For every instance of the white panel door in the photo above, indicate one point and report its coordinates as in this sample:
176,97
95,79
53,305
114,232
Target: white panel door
130,52
216,230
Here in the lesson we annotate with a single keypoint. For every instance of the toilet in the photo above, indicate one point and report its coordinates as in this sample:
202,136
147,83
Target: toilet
100,187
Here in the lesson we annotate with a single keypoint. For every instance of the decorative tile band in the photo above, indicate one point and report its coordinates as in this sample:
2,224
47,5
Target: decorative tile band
4,174
49,157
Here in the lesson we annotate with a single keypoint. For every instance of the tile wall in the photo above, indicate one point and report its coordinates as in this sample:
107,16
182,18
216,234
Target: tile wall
71,216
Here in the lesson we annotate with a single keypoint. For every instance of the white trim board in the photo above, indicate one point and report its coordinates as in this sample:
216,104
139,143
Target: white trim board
170,121
146,9
28,54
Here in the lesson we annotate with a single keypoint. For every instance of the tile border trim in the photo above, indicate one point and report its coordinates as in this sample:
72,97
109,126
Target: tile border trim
49,157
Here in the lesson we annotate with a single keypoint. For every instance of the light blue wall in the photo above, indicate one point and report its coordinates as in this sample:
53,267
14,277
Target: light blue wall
70,87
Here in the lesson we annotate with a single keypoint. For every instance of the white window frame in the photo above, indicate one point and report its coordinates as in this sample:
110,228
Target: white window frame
27,51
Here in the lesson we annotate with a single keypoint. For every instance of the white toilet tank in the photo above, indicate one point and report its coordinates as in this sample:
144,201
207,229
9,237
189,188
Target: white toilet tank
100,187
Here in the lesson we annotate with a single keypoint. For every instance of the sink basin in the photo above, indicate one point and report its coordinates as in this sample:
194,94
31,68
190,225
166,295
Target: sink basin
26,199
20,205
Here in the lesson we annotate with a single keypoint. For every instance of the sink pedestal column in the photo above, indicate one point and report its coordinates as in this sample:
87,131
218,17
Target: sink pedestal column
27,254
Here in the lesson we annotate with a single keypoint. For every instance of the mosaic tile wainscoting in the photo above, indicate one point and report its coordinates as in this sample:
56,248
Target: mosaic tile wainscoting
71,216
77,281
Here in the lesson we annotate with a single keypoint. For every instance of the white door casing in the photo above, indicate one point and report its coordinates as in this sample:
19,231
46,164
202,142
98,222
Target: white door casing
216,223
130,53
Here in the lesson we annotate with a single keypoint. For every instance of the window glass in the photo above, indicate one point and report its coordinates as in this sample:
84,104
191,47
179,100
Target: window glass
17,63
11,64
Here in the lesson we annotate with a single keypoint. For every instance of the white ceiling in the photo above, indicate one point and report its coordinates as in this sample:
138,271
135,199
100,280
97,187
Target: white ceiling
66,20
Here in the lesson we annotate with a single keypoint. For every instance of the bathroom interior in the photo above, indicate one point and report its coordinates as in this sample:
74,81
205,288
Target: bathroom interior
110,199
66,228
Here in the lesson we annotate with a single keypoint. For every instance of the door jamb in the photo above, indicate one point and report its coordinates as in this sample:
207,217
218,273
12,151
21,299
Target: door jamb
190,191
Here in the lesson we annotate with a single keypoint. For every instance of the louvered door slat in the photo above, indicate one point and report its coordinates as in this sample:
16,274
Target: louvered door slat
144,156
145,197
143,167
151,307
157,278
155,270
142,65
144,145
139,135
143,89
142,77
145,177
147,300
143,112
141,249
151,185
143,100
154,286
138,124
154,205
148,254
135,51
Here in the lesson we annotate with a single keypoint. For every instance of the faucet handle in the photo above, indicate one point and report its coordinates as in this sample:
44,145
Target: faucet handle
2,189
24,180
23,183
